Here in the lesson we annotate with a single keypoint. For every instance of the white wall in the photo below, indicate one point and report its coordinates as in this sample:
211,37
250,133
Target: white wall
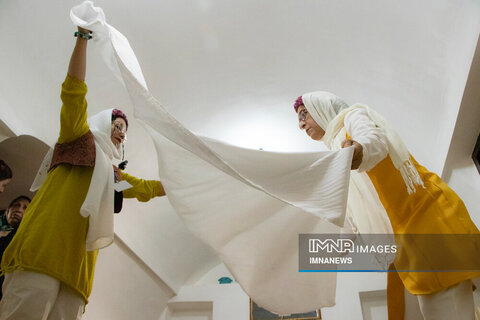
460,172
229,301
196,310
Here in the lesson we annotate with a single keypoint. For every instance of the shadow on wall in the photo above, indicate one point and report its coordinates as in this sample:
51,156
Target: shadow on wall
23,154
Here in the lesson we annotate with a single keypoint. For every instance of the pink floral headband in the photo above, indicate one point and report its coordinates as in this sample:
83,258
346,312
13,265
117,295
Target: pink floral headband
116,113
298,103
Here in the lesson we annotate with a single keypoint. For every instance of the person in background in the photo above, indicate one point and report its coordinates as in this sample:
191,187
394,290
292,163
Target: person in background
416,201
10,222
5,175
50,263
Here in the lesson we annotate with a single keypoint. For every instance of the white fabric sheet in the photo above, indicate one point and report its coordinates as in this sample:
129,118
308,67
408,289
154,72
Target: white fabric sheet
249,206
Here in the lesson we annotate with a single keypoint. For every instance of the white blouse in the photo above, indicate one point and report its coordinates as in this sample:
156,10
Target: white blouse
363,130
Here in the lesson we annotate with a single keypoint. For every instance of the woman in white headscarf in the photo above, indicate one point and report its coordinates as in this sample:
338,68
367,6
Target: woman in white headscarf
416,201
50,263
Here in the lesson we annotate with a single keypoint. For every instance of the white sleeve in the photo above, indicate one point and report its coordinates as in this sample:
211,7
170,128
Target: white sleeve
364,131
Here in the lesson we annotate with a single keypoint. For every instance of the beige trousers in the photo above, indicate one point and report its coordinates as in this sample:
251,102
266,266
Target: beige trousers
455,303
36,296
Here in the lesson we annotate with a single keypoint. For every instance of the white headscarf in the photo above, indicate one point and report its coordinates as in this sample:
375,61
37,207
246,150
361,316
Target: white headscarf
99,202
329,112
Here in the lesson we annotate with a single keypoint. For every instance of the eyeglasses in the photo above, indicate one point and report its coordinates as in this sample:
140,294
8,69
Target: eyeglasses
120,128
302,115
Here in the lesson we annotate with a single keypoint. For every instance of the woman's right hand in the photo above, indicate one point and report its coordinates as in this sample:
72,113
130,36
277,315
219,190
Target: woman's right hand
357,152
78,62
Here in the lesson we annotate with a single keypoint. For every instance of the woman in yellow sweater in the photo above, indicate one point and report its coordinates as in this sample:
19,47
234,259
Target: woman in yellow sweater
50,263
416,201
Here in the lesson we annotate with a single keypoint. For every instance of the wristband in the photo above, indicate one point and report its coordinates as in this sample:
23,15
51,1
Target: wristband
82,35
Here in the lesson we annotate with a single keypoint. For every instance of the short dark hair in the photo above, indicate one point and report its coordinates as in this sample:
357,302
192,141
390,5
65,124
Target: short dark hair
19,198
5,171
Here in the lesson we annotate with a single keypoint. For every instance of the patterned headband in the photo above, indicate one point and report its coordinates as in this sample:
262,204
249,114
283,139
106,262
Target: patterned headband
118,113
298,103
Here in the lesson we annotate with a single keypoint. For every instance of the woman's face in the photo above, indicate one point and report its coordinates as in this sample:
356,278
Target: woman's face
306,122
3,184
119,131
15,212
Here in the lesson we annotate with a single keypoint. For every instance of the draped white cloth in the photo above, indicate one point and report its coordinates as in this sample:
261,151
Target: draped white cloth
248,205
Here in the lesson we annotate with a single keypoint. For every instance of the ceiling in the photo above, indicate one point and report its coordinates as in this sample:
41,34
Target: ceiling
231,70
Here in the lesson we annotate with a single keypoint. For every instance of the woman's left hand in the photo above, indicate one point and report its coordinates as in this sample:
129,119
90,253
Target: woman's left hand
357,152
118,174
